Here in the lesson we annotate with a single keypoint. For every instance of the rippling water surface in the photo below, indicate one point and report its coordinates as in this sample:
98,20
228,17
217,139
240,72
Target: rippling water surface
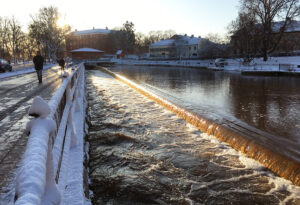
141,153
267,106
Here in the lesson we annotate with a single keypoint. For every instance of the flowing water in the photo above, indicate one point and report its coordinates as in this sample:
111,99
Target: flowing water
141,153
266,109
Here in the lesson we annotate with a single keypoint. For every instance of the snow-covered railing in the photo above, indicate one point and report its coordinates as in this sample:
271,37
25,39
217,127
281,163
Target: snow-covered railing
42,176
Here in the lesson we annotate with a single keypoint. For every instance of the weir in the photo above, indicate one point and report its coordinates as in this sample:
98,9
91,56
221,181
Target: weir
286,166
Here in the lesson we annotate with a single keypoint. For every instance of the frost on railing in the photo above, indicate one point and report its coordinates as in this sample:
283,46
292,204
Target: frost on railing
41,178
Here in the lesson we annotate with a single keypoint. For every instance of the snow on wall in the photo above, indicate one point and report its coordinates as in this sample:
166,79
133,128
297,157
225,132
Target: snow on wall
39,108
36,179
74,194
92,31
87,50
32,177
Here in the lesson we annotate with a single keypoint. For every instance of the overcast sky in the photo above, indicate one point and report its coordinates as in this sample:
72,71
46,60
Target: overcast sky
198,17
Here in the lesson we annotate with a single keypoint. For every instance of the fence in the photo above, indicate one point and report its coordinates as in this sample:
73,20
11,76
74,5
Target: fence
42,176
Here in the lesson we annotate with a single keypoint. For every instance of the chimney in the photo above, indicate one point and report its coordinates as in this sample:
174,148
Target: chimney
93,28
106,28
192,35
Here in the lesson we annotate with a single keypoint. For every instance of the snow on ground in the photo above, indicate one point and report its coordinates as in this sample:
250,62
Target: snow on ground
23,71
290,63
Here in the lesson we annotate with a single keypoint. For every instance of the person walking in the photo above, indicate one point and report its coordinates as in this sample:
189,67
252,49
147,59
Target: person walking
38,61
61,63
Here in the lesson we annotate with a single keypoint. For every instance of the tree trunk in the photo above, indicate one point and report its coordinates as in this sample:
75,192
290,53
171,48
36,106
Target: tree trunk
265,47
265,55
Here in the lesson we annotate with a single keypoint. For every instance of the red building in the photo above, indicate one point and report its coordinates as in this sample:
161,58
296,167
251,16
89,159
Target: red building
94,38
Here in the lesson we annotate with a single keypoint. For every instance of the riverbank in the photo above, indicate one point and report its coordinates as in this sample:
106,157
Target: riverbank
282,64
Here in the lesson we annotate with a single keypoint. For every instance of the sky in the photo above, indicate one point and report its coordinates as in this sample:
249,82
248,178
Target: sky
197,17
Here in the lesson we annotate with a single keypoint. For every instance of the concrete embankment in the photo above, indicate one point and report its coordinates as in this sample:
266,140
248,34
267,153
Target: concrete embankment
270,73
279,163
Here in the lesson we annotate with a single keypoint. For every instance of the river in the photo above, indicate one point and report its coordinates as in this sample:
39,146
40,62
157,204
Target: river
141,153
266,106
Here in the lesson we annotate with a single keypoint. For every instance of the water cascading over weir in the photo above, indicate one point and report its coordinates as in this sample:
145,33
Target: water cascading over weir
284,164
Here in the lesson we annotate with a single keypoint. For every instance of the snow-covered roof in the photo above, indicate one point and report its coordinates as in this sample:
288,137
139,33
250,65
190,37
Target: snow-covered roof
186,39
92,31
163,43
87,50
191,40
292,27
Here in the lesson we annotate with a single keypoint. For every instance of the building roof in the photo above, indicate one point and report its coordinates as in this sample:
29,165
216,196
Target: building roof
191,40
119,52
163,43
92,31
294,26
188,40
87,50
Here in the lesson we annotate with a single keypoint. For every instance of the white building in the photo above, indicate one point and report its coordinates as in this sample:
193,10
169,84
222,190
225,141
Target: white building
178,46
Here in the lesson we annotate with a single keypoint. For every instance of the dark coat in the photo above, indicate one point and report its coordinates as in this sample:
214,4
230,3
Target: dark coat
38,61
61,62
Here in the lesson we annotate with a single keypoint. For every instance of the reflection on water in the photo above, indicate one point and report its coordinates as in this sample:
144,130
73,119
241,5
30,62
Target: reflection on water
141,153
271,104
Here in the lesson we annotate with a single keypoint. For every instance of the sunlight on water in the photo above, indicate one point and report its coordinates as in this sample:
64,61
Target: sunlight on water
270,104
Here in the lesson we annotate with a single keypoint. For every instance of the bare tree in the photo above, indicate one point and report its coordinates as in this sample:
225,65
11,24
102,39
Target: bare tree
209,49
139,43
30,47
216,38
4,32
14,37
154,36
244,36
266,12
128,32
45,30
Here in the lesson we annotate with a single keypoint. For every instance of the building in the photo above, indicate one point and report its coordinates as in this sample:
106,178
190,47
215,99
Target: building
178,46
86,54
94,38
120,54
252,44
